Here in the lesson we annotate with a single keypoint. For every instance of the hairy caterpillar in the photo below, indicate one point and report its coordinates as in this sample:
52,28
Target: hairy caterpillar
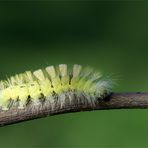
57,86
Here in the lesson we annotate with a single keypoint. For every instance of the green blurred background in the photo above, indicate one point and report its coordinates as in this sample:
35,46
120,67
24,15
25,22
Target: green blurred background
108,35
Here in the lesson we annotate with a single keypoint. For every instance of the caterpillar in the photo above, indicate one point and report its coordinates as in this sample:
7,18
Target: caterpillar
55,85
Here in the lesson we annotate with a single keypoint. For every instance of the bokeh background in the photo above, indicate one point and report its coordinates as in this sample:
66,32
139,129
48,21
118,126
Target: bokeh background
111,36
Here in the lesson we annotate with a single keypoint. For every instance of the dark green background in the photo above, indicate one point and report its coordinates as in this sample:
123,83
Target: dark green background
108,35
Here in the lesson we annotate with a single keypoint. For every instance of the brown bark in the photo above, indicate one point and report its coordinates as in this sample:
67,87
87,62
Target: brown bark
113,101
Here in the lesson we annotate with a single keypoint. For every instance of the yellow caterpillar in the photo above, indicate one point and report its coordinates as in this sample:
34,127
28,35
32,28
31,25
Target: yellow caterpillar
50,82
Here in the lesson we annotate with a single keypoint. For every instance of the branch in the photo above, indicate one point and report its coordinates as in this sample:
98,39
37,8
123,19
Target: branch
113,101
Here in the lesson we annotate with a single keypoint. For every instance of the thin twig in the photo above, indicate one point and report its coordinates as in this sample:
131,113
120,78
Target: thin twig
113,101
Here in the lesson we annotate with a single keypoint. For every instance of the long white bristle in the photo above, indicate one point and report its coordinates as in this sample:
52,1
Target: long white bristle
63,69
29,75
12,80
39,74
19,79
2,85
51,71
76,70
